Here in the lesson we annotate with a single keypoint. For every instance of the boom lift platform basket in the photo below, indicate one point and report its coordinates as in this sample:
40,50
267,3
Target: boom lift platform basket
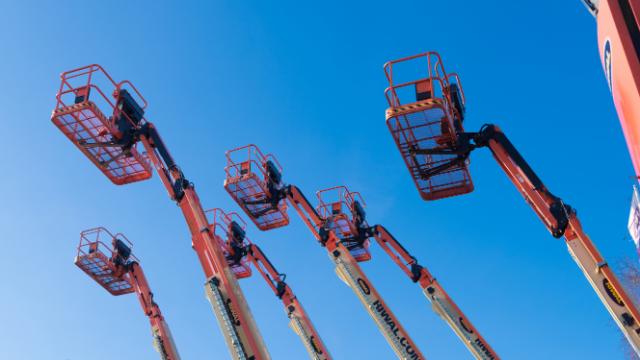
247,172
95,258
230,226
97,124
119,272
423,117
338,207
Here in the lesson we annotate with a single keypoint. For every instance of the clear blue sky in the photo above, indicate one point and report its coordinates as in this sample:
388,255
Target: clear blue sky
306,83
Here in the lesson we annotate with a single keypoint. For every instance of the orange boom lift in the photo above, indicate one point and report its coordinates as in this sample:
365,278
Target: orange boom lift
117,270
254,181
230,231
346,216
426,124
109,128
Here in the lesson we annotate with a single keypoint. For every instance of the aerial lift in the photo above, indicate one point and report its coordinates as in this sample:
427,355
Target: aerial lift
254,181
109,128
230,231
118,271
425,118
344,212
619,47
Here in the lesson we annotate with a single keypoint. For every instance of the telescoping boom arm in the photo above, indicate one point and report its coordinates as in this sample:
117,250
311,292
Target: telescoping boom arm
112,144
255,183
240,252
347,214
117,270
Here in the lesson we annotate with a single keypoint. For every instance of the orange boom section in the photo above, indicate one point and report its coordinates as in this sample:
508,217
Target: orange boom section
425,113
105,139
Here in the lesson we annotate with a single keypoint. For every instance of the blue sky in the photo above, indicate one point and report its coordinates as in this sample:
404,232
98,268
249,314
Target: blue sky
305,82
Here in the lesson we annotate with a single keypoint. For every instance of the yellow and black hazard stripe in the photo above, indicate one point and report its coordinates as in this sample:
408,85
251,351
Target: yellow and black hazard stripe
405,109
75,108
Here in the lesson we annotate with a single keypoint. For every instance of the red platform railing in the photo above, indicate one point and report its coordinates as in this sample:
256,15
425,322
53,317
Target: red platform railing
336,205
86,114
94,257
246,182
425,124
220,224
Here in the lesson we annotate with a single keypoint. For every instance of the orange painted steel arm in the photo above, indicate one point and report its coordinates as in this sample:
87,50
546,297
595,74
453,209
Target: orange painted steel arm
163,339
303,207
234,317
300,321
562,220
442,303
